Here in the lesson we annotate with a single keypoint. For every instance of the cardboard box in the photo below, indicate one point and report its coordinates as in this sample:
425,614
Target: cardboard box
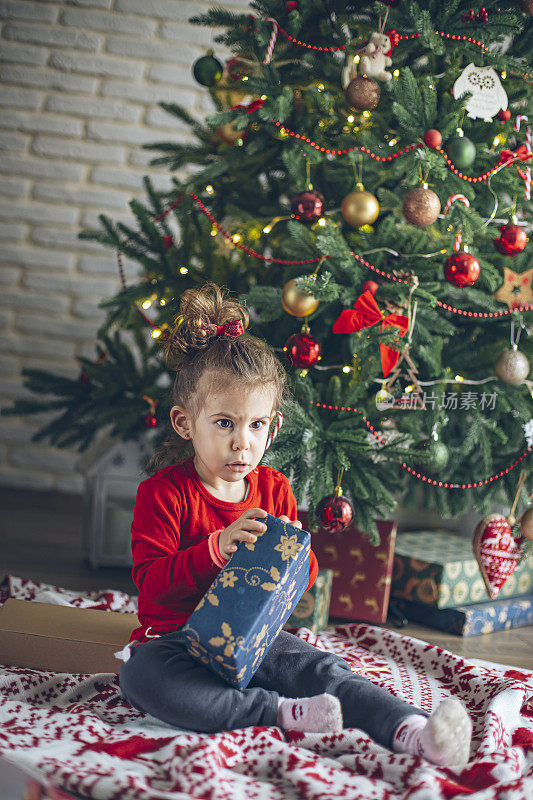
62,638
24,783
361,571
438,568
250,600
313,609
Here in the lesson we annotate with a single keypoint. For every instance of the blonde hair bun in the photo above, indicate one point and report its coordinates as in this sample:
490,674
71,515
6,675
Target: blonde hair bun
201,310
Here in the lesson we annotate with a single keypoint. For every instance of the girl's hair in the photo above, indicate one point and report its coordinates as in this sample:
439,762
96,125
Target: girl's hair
194,350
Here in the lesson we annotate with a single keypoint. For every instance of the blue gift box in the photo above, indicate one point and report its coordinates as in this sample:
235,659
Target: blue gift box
479,618
246,606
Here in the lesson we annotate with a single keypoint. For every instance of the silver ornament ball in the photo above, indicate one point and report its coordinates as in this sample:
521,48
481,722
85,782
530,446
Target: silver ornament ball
512,367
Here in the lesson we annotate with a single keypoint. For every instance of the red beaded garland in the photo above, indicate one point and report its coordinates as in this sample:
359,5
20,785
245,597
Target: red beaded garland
504,115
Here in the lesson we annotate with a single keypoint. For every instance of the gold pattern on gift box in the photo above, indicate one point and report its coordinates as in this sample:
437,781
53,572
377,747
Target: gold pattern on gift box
210,596
289,547
331,550
372,603
228,579
356,553
227,640
356,577
346,599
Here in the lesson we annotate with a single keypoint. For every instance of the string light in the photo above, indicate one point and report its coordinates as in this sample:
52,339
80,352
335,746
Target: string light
236,238
156,333
351,118
183,270
322,222
346,369
146,304
209,189
267,229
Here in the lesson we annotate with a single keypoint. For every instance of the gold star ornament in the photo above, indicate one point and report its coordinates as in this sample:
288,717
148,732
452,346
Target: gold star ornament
516,290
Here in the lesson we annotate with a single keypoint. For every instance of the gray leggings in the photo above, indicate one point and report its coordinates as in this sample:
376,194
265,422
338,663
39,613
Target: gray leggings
162,679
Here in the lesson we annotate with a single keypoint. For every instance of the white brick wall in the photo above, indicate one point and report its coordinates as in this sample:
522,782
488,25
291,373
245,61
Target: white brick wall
80,83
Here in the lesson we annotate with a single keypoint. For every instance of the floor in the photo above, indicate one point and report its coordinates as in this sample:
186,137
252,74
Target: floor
41,540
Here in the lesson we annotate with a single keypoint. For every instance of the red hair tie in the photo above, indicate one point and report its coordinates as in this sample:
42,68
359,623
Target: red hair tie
233,328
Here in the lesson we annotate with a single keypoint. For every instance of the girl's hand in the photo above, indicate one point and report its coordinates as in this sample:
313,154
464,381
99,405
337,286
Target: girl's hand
243,529
296,523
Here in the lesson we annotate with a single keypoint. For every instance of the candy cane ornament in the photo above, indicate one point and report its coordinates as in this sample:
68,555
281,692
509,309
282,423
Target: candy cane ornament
275,430
272,42
460,197
523,118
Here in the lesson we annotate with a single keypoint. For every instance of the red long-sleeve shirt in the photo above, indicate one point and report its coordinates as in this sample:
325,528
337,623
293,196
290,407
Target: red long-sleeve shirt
173,518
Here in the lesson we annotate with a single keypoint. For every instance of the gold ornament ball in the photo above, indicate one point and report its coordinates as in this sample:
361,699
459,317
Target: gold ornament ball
512,367
297,303
362,94
360,208
421,207
526,524
527,7
229,134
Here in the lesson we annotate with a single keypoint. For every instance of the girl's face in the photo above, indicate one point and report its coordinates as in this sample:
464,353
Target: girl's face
229,434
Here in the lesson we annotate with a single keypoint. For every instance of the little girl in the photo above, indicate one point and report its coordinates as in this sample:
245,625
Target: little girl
189,519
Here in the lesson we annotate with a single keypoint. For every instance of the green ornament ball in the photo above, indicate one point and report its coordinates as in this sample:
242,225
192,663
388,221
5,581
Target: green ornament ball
461,151
432,455
207,70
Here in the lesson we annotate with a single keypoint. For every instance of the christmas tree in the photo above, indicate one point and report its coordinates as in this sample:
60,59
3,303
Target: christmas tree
364,184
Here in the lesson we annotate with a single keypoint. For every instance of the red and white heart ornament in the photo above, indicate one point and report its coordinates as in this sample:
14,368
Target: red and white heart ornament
497,551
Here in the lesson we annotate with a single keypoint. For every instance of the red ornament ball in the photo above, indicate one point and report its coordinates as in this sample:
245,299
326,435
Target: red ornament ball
150,420
308,206
462,269
433,138
302,350
334,513
512,240
291,5
504,115
371,286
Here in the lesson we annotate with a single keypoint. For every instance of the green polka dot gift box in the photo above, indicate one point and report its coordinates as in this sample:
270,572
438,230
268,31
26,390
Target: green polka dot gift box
438,568
250,600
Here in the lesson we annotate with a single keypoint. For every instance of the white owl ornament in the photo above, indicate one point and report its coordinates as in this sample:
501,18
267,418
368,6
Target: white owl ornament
488,95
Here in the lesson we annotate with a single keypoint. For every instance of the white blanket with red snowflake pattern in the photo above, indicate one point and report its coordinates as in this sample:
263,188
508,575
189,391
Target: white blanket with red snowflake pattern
78,732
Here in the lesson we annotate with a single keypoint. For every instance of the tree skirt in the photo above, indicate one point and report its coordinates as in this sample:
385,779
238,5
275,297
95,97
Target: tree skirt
77,732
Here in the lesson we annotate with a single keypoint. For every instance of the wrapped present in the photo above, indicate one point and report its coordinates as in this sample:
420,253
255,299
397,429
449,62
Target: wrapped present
313,609
250,600
438,568
496,615
362,573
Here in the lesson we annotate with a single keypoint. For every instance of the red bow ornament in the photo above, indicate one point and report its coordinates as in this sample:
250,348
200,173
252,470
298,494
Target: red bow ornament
366,313
520,154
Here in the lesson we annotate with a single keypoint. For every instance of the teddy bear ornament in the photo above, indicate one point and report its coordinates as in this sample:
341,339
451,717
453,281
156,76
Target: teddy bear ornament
373,59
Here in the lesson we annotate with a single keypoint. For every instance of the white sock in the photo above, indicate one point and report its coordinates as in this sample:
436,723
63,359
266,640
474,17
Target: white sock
319,714
442,738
